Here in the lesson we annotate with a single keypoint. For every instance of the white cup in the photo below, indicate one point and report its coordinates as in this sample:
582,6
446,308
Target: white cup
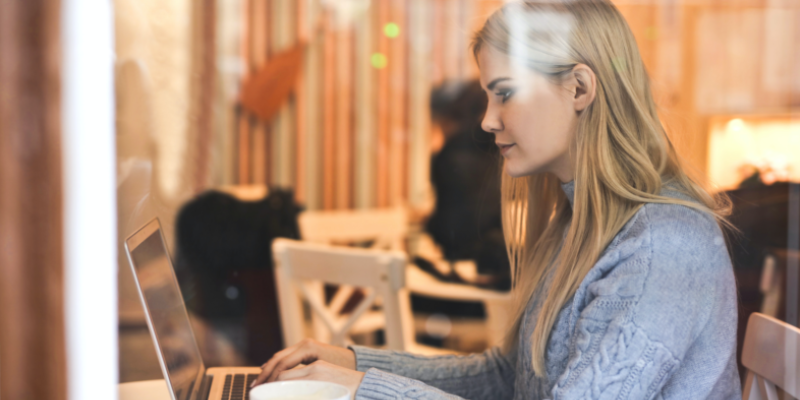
300,390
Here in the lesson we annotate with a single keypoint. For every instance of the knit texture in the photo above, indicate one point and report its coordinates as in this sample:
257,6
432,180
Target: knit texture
655,318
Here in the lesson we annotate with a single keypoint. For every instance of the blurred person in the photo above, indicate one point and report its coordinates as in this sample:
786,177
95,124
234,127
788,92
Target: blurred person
622,281
465,176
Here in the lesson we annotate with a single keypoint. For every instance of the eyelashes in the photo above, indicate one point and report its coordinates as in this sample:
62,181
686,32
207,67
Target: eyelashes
505,95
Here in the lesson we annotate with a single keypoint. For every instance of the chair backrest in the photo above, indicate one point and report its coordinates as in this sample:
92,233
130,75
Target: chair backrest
387,227
771,355
301,268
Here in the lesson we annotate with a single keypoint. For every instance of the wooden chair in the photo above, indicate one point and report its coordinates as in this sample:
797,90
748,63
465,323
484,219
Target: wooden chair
302,267
772,357
388,229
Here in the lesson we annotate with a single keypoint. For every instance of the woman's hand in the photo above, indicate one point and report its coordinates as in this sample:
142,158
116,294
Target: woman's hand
327,372
305,352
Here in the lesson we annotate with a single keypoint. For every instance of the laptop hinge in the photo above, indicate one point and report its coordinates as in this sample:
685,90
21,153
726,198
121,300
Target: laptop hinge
205,387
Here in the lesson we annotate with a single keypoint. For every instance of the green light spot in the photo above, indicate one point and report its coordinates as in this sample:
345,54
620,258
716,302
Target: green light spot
379,61
391,30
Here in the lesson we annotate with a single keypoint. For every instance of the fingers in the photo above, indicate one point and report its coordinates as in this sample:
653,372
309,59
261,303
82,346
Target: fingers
303,352
300,356
297,373
267,367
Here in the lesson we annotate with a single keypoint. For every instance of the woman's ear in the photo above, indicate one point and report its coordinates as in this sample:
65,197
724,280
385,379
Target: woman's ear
583,84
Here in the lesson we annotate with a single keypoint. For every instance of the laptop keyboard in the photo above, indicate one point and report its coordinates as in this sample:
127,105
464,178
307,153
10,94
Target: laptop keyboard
237,386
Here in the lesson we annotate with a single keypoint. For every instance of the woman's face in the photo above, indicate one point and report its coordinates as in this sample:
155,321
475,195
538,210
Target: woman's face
533,119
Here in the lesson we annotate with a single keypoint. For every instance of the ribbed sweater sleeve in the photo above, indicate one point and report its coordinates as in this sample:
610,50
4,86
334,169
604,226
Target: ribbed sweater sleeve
394,374
379,385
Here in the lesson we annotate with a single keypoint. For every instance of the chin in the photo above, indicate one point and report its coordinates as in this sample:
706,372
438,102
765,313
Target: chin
516,171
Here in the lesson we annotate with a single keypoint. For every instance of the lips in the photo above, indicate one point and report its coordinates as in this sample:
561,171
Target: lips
505,148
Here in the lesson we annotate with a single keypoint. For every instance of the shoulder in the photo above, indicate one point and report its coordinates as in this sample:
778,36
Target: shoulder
683,238
668,257
672,231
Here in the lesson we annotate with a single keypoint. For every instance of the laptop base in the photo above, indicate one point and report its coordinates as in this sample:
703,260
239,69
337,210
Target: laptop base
236,387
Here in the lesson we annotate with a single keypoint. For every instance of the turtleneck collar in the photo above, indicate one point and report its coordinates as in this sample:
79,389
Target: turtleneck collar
569,191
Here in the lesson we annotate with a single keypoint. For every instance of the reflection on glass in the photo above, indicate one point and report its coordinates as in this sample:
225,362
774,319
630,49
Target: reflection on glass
167,312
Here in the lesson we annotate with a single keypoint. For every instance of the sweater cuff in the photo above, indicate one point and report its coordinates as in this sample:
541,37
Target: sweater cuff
367,358
379,385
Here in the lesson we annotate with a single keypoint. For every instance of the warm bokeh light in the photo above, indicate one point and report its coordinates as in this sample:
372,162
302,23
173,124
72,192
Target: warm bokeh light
740,146
735,125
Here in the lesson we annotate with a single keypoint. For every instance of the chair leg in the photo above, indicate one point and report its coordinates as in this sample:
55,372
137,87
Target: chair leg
758,388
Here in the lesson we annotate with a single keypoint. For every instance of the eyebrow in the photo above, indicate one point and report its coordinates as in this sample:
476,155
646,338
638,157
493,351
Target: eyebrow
493,83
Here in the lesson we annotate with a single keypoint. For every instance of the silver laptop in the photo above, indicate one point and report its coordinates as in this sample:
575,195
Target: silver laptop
186,375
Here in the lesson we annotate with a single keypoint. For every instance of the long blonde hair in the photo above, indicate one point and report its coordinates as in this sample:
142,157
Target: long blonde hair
623,153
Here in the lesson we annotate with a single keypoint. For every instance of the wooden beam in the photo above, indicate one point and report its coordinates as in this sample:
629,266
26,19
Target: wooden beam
32,321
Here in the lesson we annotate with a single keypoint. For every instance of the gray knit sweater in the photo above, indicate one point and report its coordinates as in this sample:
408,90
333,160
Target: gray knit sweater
655,318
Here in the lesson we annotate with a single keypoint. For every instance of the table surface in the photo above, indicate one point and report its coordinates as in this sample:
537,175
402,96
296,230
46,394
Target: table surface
144,390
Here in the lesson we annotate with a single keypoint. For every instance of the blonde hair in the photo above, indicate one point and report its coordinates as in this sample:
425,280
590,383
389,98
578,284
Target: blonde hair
623,154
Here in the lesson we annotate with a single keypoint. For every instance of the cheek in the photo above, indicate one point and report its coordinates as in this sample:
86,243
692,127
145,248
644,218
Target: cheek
543,128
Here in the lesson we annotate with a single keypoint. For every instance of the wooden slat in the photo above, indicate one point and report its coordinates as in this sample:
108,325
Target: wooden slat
203,88
772,351
259,31
463,10
303,35
314,121
420,58
329,114
437,41
366,112
283,31
382,100
262,55
261,147
450,39
240,117
344,117
243,132
32,321
398,109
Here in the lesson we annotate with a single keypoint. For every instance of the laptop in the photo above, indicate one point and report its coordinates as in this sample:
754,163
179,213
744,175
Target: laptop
186,375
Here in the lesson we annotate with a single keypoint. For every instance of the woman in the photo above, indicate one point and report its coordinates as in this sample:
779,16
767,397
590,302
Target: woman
624,287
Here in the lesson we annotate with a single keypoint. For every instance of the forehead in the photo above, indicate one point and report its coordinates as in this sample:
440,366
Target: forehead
494,64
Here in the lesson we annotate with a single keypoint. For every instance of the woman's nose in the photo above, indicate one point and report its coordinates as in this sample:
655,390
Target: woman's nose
491,122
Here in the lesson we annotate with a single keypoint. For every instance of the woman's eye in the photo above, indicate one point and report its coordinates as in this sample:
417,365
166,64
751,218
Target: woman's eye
505,95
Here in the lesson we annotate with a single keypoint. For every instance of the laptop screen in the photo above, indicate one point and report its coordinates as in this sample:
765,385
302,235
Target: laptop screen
165,309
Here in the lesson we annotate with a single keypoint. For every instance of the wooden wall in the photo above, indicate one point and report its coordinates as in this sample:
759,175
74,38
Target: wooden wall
32,342
356,133
711,60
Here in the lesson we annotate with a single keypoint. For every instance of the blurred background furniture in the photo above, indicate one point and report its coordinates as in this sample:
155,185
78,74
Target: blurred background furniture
762,264
772,357
389,229
381,228
301,268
